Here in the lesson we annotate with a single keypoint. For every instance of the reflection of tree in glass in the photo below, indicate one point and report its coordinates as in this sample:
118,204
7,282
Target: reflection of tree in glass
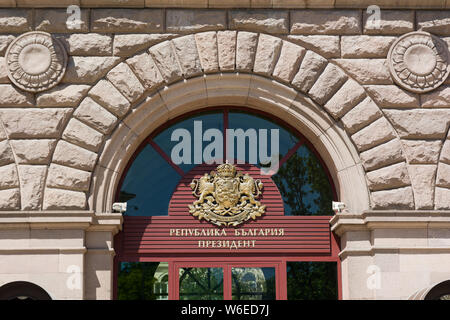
135,281
201,284
253,283
312,281
304,185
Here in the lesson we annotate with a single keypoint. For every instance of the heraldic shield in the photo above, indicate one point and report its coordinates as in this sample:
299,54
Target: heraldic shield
226,197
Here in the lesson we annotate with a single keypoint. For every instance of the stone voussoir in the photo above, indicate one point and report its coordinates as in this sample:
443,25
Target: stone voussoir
328,83
145,69
422,178
226,45
401,199
88,70
383,155
124,79
33,151
373,135
443,175
110,98
246,44
267,54
82,135
74,156
63,177
422,151
289,62
186,51
66,95
58,199
361,115
8,177
349,95
165,58
310,69
207,50
95,115
390,177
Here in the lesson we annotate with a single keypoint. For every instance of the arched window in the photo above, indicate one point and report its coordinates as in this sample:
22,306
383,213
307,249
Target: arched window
21,290
237,135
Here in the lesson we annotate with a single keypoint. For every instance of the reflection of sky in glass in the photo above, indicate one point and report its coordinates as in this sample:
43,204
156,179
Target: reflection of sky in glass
209,121
244,121
153,181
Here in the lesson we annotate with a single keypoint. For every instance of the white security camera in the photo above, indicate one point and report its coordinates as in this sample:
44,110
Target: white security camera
338,206
119,207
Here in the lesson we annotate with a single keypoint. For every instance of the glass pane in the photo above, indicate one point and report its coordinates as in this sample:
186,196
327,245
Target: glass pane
253,283
201,284
312,281
240,120
143,281
148,185
194,129
304,185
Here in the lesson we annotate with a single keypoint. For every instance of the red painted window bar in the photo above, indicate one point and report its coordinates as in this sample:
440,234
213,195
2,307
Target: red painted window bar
149,238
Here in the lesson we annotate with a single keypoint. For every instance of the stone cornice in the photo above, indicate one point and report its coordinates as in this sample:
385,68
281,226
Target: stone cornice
278,4
370,220
86,220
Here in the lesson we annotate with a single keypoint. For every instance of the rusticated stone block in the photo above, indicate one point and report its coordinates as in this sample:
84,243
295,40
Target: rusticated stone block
401,199
126,45
289,62
92,44
57,199
325,22
68,95
422,151
74,156
326,46
207,50
34,123
391,96
10,199
226,45
95,115
361,115
145,69
188,21
8,176
442,199
164,56
445,153
186,50
374,134
331,79
15,20
127,20
310,69
383,155
267,54
268,21
443,175
394,176
436,22
63,177
32,186
366,71
33,151
6,155
110,98
84,136
420,123
3,72
57,21
10,96
88,70
439,98
366,46
246,50
348,96
5,41
422,178
391,22
123,78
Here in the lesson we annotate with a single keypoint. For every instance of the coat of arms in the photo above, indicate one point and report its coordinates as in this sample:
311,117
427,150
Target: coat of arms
226,197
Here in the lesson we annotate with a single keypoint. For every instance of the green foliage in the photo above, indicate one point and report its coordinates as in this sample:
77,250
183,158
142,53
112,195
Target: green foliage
135,281
201,284
304,185
312,281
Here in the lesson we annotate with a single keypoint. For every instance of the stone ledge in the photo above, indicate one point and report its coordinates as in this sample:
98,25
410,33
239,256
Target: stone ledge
371,251
402,4
373,219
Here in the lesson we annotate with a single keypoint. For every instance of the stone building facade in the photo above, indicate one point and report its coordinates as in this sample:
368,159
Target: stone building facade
80,92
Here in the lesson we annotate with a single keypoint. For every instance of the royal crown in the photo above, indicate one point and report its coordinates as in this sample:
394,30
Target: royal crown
226,170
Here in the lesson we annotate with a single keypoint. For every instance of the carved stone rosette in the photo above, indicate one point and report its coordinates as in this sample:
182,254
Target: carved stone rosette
36,61
418,62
